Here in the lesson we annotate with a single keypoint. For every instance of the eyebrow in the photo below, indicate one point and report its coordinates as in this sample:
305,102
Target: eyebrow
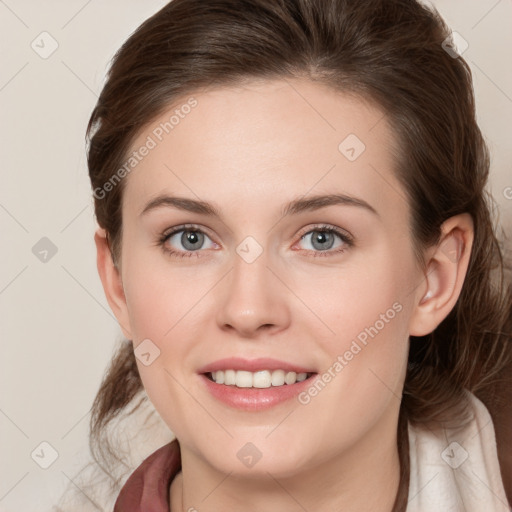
322,201
296,206
181,203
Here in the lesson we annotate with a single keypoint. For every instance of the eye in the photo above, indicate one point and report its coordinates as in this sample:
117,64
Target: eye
186,240
325,239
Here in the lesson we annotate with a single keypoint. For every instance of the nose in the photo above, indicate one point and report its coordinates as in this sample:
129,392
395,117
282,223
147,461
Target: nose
252,300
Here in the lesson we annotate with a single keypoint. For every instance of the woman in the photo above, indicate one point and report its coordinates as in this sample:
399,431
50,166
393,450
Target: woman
296,241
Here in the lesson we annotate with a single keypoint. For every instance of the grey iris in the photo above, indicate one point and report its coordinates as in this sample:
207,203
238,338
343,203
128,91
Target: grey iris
322,240
192,240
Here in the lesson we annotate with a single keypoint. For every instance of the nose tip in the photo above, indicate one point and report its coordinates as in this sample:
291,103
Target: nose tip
249,323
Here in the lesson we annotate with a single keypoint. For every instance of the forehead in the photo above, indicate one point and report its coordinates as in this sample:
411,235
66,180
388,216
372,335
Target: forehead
266,140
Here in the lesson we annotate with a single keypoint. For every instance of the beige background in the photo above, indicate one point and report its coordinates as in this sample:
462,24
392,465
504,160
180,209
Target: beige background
57,333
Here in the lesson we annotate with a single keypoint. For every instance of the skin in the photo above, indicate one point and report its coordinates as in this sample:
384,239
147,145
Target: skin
249,151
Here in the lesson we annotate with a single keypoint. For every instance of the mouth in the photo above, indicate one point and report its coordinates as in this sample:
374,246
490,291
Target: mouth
261,379
254,385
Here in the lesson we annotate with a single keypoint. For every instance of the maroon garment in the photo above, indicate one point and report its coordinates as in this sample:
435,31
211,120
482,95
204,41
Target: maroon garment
147,489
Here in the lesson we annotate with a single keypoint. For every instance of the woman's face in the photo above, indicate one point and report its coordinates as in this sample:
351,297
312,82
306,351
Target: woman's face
263,223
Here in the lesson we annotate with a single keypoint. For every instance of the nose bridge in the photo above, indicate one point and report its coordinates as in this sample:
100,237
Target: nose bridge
252,298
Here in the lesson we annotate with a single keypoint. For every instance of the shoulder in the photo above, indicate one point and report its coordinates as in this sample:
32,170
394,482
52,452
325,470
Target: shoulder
457,467
498,401
133,436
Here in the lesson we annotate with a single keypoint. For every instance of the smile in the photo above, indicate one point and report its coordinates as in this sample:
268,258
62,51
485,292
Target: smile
259,379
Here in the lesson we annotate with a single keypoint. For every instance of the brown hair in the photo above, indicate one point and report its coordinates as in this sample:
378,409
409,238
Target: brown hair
389,51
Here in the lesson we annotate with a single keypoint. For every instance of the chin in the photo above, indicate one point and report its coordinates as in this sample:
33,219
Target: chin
243,458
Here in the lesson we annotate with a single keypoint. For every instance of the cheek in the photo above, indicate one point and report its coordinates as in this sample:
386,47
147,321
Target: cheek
166,305
159,297
366,309
361,301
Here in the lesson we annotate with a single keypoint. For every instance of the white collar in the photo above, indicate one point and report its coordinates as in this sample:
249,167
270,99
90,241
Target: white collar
456,469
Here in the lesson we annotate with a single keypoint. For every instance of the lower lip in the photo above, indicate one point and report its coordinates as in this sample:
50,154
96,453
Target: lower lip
254,399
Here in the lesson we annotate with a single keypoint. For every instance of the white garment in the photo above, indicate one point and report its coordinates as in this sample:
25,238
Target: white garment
134,435
444,477
456,470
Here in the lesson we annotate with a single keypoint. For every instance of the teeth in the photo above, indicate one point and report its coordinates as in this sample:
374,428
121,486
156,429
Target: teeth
229,377
278,377
260,379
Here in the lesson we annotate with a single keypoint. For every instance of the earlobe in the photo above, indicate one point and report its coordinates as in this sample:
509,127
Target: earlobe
447,266
111,280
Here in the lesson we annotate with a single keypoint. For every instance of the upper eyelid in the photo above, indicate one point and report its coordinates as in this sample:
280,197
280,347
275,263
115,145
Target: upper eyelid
327,227
186,227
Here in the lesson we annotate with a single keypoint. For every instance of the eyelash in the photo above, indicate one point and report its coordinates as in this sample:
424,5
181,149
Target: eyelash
343,236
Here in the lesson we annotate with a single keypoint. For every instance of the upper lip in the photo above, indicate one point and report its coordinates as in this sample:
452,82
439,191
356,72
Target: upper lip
253,365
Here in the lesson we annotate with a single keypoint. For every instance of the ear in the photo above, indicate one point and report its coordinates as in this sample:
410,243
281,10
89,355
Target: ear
111,281
447,264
